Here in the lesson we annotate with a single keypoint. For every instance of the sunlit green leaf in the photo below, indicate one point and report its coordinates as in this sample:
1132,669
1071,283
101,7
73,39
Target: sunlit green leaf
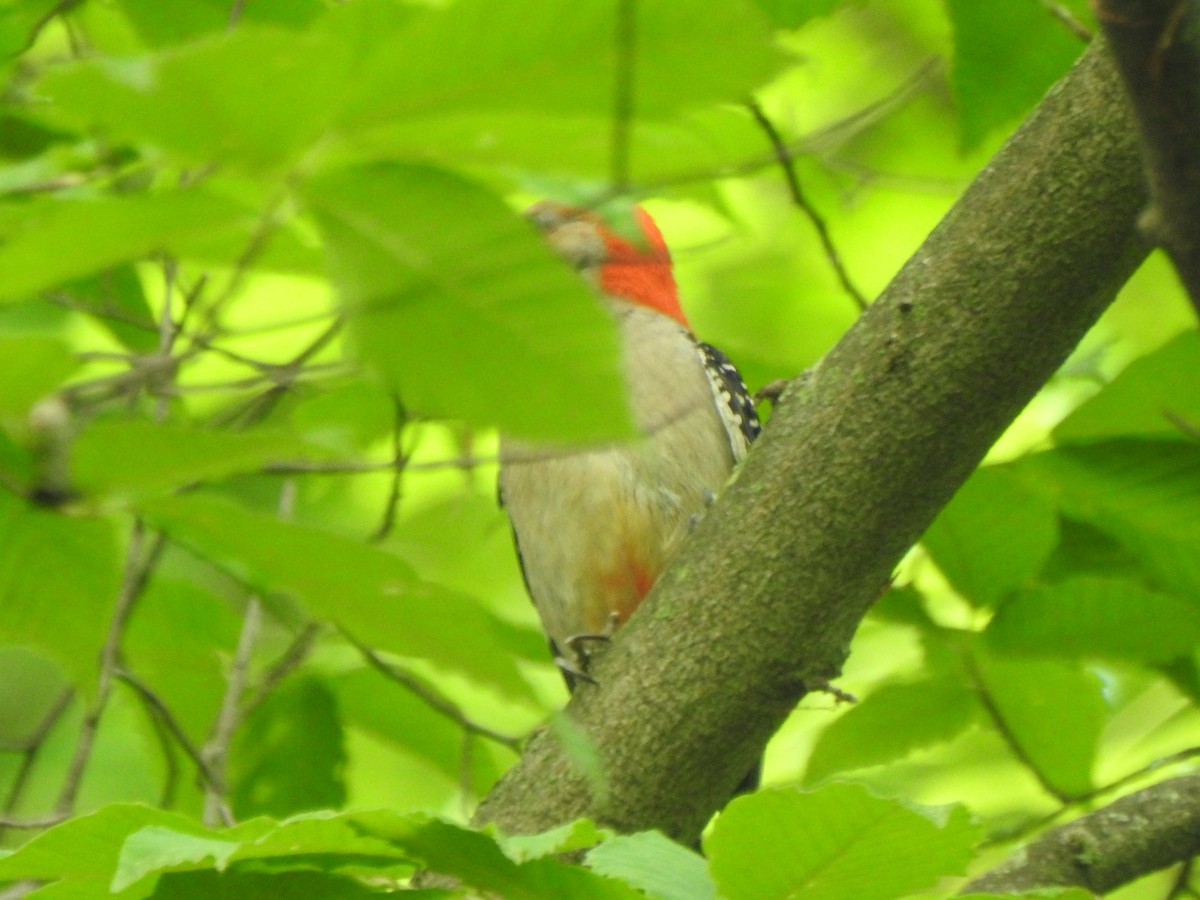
836,843
87,846
655,865
892,722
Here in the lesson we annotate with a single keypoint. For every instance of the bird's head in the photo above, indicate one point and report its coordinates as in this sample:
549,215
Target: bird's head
636,268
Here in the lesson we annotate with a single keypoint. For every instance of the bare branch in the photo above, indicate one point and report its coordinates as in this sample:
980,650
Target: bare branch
1067,18
1133,836
163,713
430,696
787,164
138,567
1156,44
388,522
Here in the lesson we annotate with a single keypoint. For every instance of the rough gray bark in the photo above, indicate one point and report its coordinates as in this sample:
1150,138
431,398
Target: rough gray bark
1133,836
1156,44
858,458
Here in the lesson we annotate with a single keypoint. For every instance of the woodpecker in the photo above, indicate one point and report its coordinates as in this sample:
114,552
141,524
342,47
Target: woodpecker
595,527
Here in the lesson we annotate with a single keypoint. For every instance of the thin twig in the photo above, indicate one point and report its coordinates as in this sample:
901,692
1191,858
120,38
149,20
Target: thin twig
430,696
163,713
1067,18
290,660
787,165
36,822
235,13
216,749
231,715
821,142
388,522
259,407
1037,824
137,572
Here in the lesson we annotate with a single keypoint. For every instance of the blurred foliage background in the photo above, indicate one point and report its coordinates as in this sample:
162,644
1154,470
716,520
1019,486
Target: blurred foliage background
265,300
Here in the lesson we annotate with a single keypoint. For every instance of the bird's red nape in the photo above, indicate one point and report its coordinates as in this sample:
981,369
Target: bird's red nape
642,274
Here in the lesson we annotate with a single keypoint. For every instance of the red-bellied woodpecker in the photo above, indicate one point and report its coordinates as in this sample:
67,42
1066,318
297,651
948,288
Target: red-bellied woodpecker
594,528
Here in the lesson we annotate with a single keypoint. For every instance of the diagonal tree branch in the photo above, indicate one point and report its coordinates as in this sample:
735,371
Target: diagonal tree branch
1131,837
1156,44
761,604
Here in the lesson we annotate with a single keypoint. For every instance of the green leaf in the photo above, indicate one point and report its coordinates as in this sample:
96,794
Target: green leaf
87,846
1052,713
569,146
465,310
993,536
285,885
397,715
372,593
165,854
1016,38
794,13
137,458
289,756
58,583
1097,617
153,847
1140,398
1145,494
115,298
477,860
655,865
192,100
33,367
102,233
32,687
892,722
555,56
180,642
160,24
836,843
577,835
